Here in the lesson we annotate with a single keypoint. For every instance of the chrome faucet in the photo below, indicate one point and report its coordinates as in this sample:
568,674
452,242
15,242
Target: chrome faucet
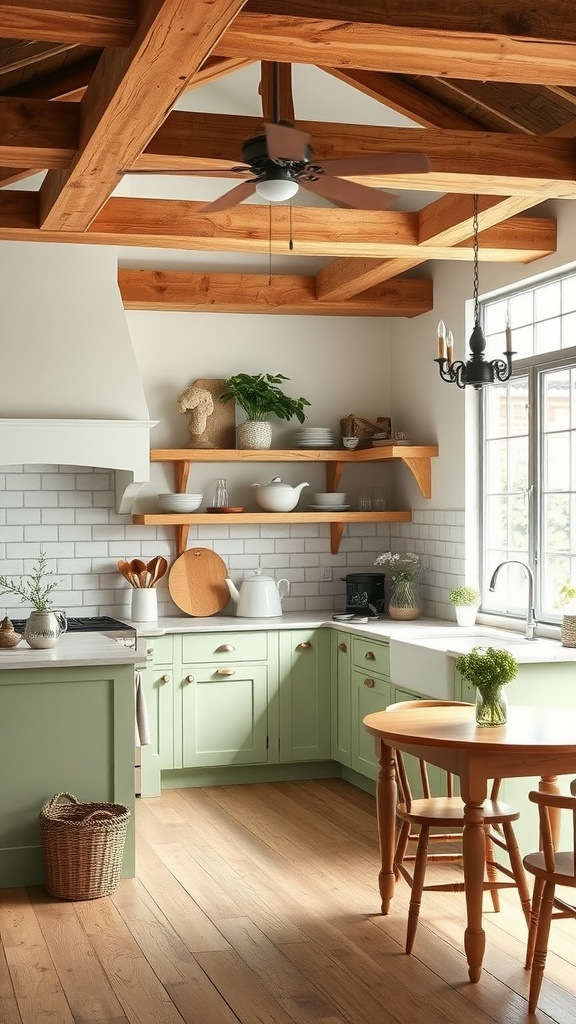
530,617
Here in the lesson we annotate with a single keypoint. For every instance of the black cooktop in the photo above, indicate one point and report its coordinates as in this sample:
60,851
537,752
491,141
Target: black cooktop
88,624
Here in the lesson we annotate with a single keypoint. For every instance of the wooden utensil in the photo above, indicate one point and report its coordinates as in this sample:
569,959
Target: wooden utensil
137,566
156,567
196,582
125,571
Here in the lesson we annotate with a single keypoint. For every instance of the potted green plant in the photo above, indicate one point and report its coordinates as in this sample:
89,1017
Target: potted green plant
489,669
43,626
260,396
567,602
466,602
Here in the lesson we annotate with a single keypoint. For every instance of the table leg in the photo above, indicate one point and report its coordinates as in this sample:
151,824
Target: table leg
474,857
386,795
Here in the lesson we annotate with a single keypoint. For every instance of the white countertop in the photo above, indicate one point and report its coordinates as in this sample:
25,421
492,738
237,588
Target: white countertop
73,650
434,635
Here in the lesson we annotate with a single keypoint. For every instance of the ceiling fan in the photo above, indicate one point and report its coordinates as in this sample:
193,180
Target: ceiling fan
281,161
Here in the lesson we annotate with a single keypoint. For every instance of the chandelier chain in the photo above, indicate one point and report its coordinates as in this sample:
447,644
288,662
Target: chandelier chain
476,279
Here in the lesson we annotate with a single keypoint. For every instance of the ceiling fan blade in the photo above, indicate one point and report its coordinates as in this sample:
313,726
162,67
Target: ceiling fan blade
348,193
231,198
377,163
207,172
285,143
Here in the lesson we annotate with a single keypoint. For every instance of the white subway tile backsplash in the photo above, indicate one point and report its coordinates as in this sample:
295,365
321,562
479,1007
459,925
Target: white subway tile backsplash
69,512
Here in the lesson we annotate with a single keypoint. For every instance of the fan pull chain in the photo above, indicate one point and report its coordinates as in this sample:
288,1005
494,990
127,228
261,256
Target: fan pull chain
269,244
291,241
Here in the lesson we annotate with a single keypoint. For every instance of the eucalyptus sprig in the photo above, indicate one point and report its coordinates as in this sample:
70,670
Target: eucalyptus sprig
487,669
31,588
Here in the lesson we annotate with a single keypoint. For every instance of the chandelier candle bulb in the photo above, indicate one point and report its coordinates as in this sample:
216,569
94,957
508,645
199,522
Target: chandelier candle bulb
508,331
450,347
441,337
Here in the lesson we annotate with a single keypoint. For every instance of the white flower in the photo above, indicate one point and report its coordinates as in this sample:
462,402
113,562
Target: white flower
405,567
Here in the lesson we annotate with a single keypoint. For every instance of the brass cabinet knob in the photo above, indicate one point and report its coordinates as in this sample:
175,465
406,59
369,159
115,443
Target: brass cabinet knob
343,647
369,683
225,671
305,645
224,648
369,656
165,678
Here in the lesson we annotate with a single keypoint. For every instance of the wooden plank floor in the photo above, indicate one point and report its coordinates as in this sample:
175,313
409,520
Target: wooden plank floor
258,904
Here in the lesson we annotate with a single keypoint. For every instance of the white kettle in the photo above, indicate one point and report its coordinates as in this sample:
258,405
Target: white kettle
259,596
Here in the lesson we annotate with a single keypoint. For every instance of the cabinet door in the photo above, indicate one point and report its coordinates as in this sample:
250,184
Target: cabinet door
304,694
158,683
370,693
341,697
224,715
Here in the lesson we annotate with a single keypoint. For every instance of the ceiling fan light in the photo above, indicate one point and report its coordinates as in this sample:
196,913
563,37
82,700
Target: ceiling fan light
276,190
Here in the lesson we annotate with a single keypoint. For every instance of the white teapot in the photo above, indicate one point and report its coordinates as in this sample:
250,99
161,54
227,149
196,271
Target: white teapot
259,596
276,496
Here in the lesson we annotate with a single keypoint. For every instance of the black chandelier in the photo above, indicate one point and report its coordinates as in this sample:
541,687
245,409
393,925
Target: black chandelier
476,371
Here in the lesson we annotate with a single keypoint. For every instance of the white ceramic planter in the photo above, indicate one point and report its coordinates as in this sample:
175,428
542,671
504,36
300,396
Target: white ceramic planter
254,434
466,614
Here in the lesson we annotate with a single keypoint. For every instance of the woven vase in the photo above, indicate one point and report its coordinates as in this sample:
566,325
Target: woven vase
568,631
254,434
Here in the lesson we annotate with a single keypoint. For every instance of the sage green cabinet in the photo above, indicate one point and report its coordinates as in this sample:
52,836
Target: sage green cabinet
221,699
370,692
304,694
61,729
158,683
341,669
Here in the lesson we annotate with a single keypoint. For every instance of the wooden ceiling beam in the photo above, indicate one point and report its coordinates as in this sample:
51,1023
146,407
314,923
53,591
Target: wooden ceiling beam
30,130
89,22
436,48
182,291
446,221
170,223
127,99
402,97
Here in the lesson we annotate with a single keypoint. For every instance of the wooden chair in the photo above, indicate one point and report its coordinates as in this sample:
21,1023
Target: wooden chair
550,868
417,818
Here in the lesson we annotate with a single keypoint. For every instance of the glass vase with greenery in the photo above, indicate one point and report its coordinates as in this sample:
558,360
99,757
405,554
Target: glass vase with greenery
32,588
489,669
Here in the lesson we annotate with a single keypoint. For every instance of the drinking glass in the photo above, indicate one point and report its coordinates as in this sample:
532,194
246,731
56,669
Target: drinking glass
365,500
378,499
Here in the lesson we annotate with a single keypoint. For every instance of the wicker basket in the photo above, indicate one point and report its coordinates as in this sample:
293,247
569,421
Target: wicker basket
568,631
83,845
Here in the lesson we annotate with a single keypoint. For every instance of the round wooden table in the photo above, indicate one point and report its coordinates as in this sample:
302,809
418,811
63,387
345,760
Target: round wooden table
534,741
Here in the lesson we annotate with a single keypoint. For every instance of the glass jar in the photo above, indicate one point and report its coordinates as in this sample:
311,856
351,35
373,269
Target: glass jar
220,497
405,600
491,706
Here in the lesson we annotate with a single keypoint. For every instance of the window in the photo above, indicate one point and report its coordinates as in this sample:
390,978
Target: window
528,435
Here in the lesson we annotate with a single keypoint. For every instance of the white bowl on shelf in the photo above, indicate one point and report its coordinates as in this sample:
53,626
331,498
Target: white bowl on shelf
182,503
328,498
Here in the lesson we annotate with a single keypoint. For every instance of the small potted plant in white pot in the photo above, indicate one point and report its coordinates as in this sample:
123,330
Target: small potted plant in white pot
259,396
489,669
466,601
44,627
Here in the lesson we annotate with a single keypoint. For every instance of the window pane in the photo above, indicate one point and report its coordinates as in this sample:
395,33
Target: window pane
547,301
496,531
547,336
556,411
556,462
556,523
569,293
569,330
522,309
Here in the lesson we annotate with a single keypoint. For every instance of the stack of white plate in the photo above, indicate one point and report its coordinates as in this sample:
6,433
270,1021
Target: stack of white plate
315,437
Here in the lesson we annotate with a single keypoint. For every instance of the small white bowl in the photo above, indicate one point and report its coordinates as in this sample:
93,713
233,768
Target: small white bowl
328,498
179,502
350,442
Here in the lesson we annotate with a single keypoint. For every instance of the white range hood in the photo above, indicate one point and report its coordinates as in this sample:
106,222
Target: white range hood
70,389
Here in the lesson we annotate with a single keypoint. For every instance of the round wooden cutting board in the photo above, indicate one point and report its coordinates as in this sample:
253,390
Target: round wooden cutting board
196,582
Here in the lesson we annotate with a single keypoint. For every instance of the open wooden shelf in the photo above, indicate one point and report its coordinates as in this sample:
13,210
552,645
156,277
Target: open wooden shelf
416,457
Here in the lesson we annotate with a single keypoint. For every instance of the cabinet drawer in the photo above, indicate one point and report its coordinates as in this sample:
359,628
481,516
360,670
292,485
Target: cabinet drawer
371,656
160,649
200,647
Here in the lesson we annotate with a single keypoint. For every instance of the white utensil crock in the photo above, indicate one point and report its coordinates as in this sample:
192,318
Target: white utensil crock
144,607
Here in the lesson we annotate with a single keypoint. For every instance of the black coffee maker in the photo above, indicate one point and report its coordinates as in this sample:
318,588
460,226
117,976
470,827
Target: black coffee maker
365,593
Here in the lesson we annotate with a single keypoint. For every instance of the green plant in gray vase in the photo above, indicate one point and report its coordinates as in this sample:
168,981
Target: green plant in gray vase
489,669
260,396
